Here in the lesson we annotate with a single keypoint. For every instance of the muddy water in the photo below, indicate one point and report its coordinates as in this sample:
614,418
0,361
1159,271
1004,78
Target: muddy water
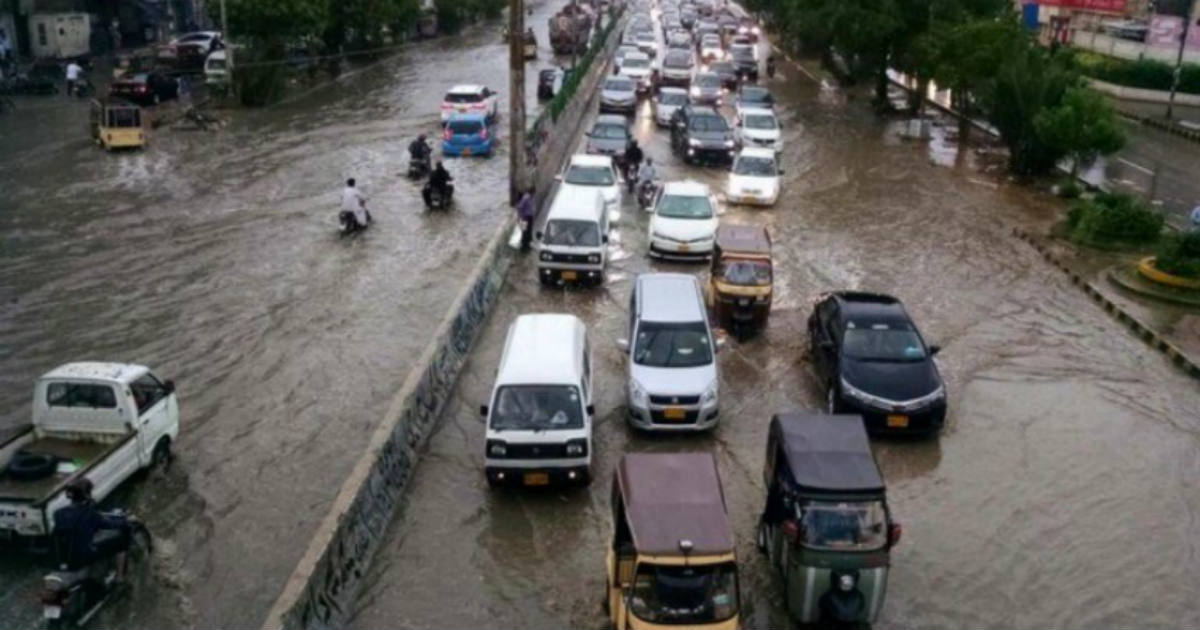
1061,494
214,259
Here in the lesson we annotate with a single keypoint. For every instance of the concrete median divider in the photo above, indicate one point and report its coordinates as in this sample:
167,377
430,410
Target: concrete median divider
321,590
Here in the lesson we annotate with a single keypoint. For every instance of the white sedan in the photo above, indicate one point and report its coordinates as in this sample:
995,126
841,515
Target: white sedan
593,171
684,224
759,128
755,178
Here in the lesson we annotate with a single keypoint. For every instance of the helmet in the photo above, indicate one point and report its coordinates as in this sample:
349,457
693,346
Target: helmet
421,138
79,490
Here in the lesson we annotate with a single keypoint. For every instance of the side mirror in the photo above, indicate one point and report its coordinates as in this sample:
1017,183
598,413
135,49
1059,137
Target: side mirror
604,239
558,177
623,344
483,411
934,349
169,385
894,531
591,410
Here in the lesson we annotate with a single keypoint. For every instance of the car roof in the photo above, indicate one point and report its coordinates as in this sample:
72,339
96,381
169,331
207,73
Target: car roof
637,55
687,187
577,203
98,370
827,453
611,119
465,89
542,349
587,159
672,90
468,116
619,78
757,111
669,298
757,152
743,239
755,89
673,497
870,306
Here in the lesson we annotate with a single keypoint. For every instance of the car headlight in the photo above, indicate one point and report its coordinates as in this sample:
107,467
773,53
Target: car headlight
594,258
497,448
546,256
729,144
637,395
695,91
859,394
710,394
577,447
763,299
692,142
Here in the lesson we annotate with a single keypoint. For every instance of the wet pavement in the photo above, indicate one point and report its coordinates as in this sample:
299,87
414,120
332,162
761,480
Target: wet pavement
214,259
1159,167
1061,493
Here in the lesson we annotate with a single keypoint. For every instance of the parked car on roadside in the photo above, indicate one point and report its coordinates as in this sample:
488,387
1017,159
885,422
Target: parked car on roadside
188,51
871,360
145,88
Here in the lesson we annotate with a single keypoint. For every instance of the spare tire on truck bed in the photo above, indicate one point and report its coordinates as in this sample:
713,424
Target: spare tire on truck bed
29,466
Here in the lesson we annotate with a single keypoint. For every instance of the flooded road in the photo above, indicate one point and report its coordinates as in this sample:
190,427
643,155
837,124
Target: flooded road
214,259
1061,494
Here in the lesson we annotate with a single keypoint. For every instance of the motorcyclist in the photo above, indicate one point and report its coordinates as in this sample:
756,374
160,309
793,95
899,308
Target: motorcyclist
439,180
86,535
771,66
419,150
354,205
633,159
646,175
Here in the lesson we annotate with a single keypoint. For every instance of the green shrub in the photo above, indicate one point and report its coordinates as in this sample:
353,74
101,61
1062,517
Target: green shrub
260,77
1069,189
1179,254
1113,219
1148,74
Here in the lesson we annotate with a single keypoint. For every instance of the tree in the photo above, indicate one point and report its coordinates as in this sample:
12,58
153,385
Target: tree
967,54
1083,126
1026,83
276,21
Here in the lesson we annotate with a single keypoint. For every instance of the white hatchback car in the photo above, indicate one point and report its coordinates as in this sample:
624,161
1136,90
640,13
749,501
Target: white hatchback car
755,178
760,128
470,99
684,224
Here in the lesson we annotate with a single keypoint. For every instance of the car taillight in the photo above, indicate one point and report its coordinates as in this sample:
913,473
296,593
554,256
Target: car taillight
477,105
446,135
141,88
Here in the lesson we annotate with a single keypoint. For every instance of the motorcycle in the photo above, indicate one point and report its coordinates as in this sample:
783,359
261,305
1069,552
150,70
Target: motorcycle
646,191
348,224
630,170
418,167
434,199
71,598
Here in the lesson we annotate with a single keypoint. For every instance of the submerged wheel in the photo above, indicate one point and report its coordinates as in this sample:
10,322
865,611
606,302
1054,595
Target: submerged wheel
161,457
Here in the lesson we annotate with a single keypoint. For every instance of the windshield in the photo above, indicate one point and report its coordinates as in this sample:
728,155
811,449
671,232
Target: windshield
672,345
619,85
882,342
685,595
672,98
537,408
678,59
755,96
610,132
684,207
464,127
744,273
572,233
589,176
722,67
754,166
463,98
708,80
709,123
760,121
854,526
742,54
631,62
710,41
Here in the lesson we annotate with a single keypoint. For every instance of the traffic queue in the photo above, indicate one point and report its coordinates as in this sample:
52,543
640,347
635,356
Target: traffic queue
826,524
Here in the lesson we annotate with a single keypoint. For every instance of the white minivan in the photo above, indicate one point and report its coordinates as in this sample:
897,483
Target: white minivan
573,241
539,422
673,376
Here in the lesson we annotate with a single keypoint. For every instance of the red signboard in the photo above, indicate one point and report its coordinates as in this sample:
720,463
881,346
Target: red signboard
1115,6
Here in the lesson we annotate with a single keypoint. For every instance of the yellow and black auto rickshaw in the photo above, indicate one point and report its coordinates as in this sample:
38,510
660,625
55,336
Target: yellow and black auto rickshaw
740,285
117,124
670,562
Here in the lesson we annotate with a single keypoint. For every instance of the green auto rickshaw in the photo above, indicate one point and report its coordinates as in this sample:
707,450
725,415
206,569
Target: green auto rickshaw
826,527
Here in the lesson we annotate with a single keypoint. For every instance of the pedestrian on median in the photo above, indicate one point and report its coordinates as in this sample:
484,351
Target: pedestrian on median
1196,219
525,214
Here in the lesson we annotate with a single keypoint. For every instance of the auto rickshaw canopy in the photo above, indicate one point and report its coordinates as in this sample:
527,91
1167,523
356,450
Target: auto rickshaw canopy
116,113
751,241
827,453
674,497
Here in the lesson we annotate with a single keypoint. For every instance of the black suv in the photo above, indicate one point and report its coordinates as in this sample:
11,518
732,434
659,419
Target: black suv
701,134
747,65
873,362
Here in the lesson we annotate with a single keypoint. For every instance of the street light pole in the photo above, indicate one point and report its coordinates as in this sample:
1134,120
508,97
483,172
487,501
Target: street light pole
228,48
1187,22
516,99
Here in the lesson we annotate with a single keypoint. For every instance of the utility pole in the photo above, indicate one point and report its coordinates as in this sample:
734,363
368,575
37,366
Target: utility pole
229,70
1188,16
517,180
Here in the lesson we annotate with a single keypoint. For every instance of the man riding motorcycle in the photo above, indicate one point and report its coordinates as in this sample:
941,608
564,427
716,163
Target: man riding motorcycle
354,206
86,535
419,152
646,176
439,180
633,160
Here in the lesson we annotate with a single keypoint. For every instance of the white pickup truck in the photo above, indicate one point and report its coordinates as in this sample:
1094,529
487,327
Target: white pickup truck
102,421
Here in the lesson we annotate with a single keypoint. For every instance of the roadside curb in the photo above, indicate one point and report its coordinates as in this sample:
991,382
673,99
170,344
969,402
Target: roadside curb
1142,331
1162,125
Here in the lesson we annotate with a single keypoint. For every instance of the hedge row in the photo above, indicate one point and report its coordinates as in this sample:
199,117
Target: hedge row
1113,219
1148,74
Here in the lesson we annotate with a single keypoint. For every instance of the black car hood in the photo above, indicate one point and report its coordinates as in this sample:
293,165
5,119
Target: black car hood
899,381
710,137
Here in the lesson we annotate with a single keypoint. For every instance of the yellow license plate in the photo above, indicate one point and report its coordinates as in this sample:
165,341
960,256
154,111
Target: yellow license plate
897,422
537,479
461,108
674,413
466,151
683,248
570,275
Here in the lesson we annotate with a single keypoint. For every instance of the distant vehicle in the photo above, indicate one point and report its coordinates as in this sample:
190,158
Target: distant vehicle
539,420
648,43
707,89
749,29
710,48
728,72
669,100
624,49
754,179
116,124
596,172
466,135
573,240
93,420
701,134
146,88
216,70
618,94
760,128
191,49
609,136
746,61
637,67
473,99
872,361
677,67
687,17
684,223
753,97
679,40
674,380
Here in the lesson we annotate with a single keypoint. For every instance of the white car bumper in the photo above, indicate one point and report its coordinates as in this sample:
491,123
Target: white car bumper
663,247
